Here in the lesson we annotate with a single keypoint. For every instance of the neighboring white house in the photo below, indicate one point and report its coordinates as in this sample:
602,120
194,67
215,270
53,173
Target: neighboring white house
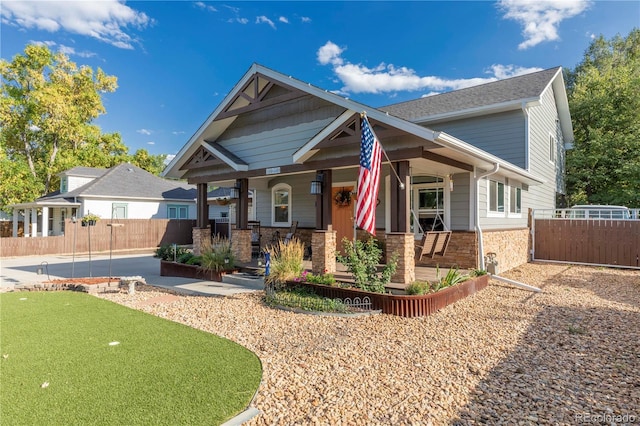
121,192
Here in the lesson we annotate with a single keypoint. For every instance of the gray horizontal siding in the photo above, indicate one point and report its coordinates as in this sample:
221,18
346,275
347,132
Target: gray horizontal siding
459,200
268,137
499,134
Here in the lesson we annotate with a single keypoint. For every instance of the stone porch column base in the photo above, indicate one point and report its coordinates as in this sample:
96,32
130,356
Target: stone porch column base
241,245
323,252
200,235
403,245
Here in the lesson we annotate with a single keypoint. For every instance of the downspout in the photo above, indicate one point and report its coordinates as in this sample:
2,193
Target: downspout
495,169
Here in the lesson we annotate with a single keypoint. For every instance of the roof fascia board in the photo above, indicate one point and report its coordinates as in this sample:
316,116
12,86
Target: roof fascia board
460,146
224,157
483,110
304,153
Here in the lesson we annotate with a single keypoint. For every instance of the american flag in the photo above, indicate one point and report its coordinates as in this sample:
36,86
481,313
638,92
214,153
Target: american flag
368,179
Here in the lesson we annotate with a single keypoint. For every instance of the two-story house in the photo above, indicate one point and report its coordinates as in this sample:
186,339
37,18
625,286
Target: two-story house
472,162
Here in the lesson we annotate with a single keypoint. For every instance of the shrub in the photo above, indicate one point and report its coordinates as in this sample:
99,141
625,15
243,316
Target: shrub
362,260
326,279
418,288
166,252
286,262
304,299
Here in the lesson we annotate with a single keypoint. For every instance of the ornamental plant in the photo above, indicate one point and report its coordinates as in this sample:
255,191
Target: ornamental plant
90,217
286,263
217,255
362,259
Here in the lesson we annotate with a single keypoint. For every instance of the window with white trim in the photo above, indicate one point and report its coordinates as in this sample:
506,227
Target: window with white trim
515,200
496,196
119,211
64,185
281,205
177,211
552,149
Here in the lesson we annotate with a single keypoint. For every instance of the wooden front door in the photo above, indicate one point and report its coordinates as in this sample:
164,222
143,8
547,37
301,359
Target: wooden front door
342,212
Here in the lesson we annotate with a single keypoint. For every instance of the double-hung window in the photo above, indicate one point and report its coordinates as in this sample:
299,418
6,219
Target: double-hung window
515,200
496,196
281,205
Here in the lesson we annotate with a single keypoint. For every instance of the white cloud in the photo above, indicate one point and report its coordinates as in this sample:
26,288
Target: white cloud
67,50
144,132
151,143
388,78
204,6
178,132
168,159
330,54
305,19
264,20
283,19
540,19
107,20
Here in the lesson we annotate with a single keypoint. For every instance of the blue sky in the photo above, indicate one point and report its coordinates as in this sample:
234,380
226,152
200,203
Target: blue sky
176,60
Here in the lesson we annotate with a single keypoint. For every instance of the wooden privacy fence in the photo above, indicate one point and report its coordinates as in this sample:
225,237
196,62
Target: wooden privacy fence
124,234
590,241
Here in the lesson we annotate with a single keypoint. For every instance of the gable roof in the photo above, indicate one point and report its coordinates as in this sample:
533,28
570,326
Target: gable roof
502,95
228,110
129,181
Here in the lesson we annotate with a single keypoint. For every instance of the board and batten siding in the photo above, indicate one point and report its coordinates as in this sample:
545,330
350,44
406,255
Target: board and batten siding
269,137
501,134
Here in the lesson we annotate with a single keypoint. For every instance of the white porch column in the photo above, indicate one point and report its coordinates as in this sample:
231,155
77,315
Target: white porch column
27,223
45,221
16,213
34,222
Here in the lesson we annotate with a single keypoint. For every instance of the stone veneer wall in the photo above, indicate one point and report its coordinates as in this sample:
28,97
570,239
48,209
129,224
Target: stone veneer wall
200,235
512,247
462,252
241,245
323,257
403,245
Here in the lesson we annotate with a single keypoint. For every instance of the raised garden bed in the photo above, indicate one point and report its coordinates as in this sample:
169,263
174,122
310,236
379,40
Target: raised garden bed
175,269
405,305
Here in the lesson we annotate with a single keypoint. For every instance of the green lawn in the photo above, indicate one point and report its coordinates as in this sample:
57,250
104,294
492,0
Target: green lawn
160,372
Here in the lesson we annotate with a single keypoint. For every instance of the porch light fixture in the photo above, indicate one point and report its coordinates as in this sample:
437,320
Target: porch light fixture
316,185
235,191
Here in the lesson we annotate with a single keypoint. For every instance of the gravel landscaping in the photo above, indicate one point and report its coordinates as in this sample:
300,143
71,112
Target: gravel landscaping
568,355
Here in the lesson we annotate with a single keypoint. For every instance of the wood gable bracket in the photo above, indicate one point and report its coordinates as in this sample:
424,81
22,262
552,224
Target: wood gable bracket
259,92
202,158
350,133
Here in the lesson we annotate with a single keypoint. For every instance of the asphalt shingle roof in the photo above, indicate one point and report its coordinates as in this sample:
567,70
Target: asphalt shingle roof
129,181
508,90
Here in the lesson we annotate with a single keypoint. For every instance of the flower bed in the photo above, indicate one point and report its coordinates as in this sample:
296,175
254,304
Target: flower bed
175,269
405,305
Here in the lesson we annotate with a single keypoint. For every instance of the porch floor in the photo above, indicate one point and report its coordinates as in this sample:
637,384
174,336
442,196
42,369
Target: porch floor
422,273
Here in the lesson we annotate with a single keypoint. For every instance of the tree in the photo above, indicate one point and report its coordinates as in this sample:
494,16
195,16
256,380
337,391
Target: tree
604,99
47,106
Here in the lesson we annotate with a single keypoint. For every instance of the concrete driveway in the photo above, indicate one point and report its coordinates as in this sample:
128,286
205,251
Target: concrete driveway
24,270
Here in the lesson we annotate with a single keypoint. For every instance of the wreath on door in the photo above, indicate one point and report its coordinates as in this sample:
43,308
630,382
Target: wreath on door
343,198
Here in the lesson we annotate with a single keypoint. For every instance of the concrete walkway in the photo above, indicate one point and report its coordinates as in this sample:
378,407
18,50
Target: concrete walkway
23,270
